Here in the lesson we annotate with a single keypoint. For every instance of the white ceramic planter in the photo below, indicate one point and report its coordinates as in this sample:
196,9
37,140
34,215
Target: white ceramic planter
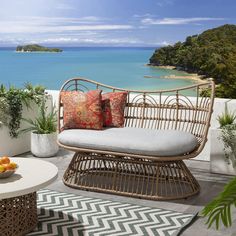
218,162
44,145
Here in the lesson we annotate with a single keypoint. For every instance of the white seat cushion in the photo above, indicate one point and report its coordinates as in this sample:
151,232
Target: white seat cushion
131,140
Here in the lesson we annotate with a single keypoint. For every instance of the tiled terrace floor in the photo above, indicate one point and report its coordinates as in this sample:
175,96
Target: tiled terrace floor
211,185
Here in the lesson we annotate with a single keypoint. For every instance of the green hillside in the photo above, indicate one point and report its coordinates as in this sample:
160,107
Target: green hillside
212,53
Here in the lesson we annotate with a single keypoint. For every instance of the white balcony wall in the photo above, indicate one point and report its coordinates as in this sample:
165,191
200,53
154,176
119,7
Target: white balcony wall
15,146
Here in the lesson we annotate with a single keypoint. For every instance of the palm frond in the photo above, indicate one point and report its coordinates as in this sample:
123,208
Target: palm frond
219,209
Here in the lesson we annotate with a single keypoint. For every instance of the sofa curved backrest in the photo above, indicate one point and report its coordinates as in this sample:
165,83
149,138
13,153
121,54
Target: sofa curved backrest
159,109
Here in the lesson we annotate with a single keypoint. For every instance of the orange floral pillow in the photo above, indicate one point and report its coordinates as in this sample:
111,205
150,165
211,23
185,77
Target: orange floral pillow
113,105
82,110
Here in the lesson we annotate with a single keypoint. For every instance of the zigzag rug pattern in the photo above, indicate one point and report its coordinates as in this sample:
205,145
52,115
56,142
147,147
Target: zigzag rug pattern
66,214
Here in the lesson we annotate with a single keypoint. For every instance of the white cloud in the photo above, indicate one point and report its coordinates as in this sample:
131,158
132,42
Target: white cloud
32,25
143,15
164,43
177,21
91,18
73,41
92,40
63,30
42,20
5,29
157,43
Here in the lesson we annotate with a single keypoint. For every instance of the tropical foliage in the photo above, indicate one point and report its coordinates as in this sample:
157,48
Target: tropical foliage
228,136
219,210
12,101
212,53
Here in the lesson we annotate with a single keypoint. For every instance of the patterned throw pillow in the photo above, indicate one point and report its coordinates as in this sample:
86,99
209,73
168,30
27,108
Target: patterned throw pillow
113,105
82,110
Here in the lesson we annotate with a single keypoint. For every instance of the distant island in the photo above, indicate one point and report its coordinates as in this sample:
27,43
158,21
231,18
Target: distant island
36,48
211,53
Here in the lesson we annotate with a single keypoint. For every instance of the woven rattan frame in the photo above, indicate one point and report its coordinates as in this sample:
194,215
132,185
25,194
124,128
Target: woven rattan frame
18,215
169,177
131,176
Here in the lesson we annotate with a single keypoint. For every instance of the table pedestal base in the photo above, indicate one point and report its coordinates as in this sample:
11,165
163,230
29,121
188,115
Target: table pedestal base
18,215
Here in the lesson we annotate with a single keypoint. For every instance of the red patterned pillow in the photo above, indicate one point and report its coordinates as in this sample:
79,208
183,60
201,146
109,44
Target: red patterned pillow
82,110
113,105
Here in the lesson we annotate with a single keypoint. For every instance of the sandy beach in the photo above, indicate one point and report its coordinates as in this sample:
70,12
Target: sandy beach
195,77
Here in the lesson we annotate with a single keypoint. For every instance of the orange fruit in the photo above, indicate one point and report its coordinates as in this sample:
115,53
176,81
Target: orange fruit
7,166
5,160
13,165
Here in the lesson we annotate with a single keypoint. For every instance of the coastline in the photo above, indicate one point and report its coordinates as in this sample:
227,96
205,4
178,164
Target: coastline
196,77
77,63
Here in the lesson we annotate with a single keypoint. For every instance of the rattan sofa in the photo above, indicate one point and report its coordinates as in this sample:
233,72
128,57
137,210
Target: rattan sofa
157,172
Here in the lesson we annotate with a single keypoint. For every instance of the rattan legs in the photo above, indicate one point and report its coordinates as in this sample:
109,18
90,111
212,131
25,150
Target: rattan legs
140,178
18,215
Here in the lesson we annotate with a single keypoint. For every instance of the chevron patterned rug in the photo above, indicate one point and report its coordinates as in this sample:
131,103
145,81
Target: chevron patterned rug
65,214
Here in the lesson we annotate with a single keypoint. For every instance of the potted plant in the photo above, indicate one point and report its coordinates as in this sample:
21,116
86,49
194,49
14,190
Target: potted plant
223,144
43,132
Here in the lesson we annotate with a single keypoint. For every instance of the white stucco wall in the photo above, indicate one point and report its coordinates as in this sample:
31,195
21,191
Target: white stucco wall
15,146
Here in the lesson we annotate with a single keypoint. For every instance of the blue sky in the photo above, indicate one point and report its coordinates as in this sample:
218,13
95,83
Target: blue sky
109,22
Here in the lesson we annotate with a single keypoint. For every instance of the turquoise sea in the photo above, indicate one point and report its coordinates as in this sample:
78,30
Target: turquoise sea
120,67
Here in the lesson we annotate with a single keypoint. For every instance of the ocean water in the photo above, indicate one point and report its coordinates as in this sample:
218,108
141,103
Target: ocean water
120,67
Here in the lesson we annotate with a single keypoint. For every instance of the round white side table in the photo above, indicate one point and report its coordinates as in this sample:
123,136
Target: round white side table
18,206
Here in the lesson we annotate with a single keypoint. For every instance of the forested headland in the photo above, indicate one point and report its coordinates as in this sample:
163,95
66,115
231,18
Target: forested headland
211,53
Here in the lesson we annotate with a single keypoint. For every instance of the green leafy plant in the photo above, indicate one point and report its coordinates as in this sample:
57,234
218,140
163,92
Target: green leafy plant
226,118
219,210
228,136
4,111
14,98
45,123
15,110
